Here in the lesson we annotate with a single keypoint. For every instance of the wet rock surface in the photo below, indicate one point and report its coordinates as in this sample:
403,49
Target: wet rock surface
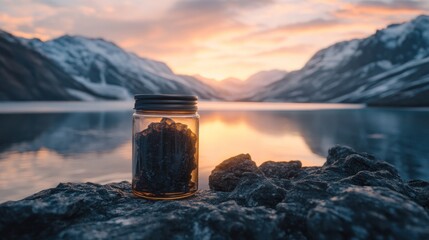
353,196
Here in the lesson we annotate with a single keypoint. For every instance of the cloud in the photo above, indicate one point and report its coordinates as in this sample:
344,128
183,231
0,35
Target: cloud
395,4
55,3
228,5
377,8
285,51
180,34
280,35
311,25
211,37
180,29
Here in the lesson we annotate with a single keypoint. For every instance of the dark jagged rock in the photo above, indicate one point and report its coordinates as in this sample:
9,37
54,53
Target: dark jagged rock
280,169
368,212
422,189
226,175
353,196
255,190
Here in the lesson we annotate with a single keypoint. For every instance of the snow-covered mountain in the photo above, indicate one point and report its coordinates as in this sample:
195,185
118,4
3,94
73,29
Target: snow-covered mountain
110,71
390,67
79,68
27,75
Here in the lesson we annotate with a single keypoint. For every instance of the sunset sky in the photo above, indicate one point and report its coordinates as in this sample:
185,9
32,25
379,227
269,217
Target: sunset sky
214,38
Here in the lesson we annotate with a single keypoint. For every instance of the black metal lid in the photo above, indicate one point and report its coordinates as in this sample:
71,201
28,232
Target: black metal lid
164,102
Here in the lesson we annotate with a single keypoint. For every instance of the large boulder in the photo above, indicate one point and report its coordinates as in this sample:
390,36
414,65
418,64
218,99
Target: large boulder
226,175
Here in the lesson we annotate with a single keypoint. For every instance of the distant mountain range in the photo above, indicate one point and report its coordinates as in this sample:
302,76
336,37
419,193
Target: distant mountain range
84,69
79,68
390,67
236,89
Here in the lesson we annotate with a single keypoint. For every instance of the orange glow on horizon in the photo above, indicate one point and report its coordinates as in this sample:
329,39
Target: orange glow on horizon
238,137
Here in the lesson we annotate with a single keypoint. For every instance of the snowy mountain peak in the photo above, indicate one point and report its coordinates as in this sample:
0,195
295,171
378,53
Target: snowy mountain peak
420,23
390,66
395,44
107,71
421,19
394,35
86,50
9,37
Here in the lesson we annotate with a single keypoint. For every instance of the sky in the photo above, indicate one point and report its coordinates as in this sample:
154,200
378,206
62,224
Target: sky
214,38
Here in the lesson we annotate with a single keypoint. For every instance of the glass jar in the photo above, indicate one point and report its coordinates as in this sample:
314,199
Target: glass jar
165,146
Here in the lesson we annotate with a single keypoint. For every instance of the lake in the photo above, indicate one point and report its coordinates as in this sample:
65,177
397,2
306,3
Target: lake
43,144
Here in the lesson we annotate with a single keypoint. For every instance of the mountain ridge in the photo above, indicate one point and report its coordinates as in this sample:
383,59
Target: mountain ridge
346,72
95,68
104,66
234,89
389,67
28,75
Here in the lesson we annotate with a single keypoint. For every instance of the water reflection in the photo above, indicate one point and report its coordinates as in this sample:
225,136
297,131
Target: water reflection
39,150
399,136
64,133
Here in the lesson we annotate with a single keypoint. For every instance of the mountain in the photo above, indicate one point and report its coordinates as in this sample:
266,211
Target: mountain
79,68
264,78
227,88
390,67
108,69
236,89
28,75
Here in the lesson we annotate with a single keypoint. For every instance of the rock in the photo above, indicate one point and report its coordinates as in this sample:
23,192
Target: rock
229,220
379,178
280,169
292,218
227,174
353,196
421,190
254,190
368,212
355,163
338,154
308,192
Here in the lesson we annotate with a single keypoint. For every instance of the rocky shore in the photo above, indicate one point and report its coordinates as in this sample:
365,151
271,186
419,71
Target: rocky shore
352,196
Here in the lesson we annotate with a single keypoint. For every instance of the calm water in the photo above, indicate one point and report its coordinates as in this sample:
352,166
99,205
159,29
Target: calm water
43,144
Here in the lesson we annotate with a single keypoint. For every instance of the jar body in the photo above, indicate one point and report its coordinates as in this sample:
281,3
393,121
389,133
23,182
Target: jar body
165,154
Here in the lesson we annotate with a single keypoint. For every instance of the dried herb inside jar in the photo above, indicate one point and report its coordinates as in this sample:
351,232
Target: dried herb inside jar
165,157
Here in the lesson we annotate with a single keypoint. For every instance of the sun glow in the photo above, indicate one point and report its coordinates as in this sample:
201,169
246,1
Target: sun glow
221,140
